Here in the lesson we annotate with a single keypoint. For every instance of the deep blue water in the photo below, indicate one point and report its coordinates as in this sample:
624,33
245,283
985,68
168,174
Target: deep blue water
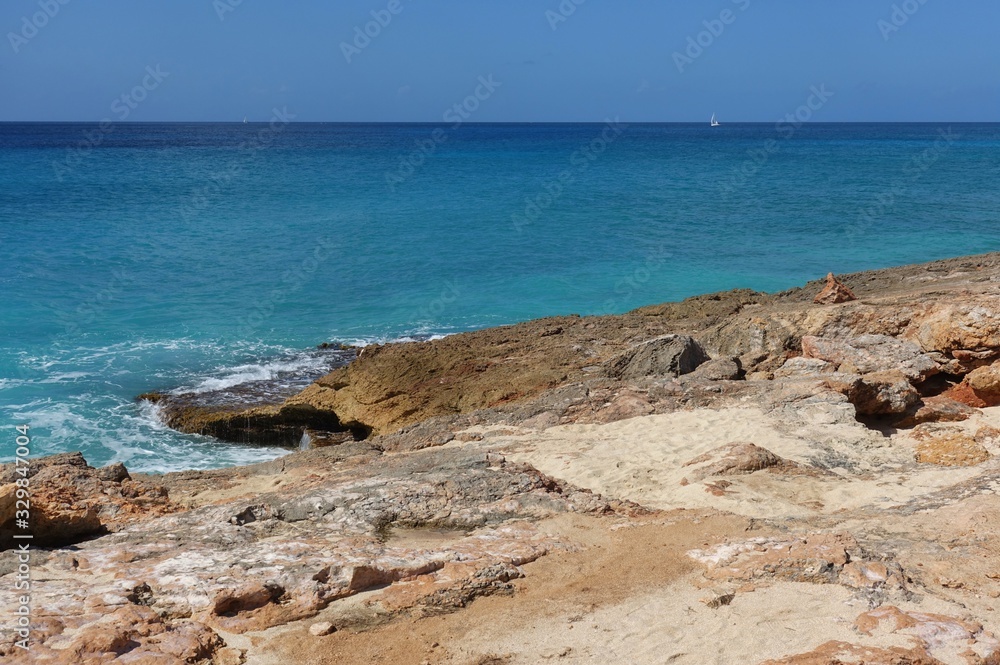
168,256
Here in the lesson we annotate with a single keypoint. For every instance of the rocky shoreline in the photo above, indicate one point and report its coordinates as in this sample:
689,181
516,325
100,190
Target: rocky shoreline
650,487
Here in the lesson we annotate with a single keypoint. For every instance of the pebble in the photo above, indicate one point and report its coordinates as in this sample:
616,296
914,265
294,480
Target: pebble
322,628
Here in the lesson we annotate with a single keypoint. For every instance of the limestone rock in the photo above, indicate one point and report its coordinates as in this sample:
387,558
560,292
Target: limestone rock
113,473
128,633
935,632
985,384
841,653
964,394
877,394
734,459
756,338
816,558
872,575
886,393
834,292
71,500
961,326
670,355
328,535
802,367
720,369
867,354
938,409
627,404
229,656
322,628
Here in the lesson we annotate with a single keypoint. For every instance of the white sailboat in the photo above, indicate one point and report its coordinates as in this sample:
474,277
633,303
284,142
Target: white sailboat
715,123
244,120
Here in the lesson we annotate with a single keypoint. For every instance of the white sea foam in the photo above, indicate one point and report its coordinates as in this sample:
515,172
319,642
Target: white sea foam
120,430
65,377
416,336
108,426
228,377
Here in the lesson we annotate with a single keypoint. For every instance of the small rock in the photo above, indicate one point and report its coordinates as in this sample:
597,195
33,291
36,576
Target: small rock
876,394
114,473
543,420
938,409
720,601
322,628
734,459
228,656
985,383
834,292
801,366
720,369
669,355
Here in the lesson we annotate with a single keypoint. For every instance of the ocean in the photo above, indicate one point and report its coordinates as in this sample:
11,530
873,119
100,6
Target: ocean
141,257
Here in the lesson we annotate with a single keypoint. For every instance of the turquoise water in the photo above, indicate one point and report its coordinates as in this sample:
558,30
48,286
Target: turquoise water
168,257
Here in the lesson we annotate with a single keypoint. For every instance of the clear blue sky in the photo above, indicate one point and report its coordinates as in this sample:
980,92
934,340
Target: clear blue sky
609,58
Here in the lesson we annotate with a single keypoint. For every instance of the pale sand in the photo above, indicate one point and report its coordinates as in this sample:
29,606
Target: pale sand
673,625
642,459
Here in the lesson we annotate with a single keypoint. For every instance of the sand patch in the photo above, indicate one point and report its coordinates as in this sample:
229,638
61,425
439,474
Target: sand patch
643,460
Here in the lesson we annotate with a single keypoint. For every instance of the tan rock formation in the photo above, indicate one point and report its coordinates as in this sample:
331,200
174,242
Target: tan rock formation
835,292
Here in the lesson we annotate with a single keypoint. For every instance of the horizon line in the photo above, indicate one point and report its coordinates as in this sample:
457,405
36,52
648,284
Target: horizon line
495,122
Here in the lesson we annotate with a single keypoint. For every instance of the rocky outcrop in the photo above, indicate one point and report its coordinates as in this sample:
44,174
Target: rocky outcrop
671,355
817,558
868,354
70,500
252,560
834,292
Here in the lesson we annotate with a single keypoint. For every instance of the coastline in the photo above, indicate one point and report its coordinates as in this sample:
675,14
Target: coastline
653,485
387,387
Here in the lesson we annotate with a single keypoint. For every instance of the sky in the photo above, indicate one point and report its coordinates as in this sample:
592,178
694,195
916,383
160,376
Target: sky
499,60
